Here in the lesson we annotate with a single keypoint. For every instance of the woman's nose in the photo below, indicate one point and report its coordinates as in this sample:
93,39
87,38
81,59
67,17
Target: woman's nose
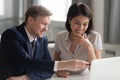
80,26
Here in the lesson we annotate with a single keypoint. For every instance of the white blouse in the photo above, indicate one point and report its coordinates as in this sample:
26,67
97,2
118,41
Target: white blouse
62,46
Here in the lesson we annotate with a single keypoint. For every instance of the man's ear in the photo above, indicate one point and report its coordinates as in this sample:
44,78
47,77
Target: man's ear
30,19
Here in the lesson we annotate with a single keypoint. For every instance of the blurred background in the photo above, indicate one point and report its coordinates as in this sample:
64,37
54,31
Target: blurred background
106,15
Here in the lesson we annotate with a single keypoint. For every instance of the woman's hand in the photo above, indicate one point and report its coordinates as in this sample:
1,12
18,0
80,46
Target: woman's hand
80,39
63,74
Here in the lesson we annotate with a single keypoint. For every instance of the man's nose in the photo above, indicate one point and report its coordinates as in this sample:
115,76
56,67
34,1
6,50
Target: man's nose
46,28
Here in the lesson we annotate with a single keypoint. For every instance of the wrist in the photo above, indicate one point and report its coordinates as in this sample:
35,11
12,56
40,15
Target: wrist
90,46
62,65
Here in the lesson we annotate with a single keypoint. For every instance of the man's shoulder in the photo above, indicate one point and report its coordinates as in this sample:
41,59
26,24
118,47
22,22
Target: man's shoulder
13,31
9,31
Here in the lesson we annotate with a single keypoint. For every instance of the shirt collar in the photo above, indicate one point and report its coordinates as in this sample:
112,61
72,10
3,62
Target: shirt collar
67,36
29,35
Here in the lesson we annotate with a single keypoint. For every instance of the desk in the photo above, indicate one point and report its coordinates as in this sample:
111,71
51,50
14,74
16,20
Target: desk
83,76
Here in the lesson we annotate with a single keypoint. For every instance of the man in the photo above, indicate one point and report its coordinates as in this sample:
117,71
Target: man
24,61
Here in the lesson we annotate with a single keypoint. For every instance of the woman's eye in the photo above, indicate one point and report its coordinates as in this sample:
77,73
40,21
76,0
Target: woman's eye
77,23
85,24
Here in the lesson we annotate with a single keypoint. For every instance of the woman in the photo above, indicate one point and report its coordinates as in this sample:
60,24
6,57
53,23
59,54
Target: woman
80,41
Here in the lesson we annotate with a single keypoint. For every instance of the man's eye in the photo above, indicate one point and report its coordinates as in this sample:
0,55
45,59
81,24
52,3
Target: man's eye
43,24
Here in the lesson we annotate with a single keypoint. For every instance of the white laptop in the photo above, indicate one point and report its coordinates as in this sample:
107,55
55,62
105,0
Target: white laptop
105,69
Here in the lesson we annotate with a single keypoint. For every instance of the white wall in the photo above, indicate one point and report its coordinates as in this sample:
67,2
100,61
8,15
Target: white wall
11,9
8,5
98,16
8,10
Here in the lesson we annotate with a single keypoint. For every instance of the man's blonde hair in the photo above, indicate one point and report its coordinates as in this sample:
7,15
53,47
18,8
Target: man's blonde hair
37,10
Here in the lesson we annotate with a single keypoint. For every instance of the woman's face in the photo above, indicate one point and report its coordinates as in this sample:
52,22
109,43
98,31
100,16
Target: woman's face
79,24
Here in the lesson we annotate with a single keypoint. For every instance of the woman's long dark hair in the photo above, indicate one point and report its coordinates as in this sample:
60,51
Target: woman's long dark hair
75,10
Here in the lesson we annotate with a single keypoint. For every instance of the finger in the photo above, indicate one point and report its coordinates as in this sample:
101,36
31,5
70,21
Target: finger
85,35
59,74
62,74
74,34
66,74
82,64
87,63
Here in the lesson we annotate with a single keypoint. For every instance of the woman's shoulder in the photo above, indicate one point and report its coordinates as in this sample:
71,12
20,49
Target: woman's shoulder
62,33
95,33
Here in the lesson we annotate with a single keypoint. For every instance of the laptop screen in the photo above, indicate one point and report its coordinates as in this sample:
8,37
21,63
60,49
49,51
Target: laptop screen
105,69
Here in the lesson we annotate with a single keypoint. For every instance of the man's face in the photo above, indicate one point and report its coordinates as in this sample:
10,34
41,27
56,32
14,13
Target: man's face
38,25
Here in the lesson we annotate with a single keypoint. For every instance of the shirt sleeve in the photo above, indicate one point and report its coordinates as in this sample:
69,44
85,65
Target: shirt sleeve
55,66
98,42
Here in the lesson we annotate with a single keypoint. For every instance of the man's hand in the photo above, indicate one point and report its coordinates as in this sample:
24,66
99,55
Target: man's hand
72,65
